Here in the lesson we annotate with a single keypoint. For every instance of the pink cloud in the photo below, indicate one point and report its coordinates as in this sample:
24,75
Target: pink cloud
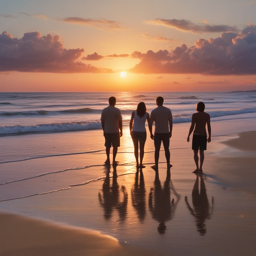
231,53
188,26
36,53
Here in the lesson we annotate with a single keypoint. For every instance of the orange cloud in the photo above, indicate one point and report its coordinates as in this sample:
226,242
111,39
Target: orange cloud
99,23
93,56
158,38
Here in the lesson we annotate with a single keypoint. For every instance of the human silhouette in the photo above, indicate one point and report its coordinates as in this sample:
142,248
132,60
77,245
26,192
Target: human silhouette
109,199
161,206
138,131
199,142
202,209
138,193
162,117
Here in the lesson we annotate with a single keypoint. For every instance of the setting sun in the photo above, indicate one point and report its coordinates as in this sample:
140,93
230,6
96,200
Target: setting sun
123,74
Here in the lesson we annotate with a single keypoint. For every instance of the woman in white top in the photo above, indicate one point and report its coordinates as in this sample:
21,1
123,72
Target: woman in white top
138,131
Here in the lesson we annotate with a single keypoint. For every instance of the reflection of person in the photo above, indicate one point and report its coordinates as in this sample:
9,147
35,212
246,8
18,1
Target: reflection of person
111,121
110,197
199,121
162,117
139,196
138,131
160,204
202,209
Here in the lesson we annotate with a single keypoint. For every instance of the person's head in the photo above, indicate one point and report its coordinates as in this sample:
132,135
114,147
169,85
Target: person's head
159,101
200,107
161,228
112,101
141,109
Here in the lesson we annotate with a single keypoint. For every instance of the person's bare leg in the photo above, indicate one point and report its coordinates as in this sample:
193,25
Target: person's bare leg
142,145
167,152
136,150
201,160
196,159
107,153
157,149
114,156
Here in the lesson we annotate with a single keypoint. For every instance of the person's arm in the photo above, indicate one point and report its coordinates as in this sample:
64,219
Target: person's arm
120,124
209,129
170,125
191,127
131,122
149,125
102,123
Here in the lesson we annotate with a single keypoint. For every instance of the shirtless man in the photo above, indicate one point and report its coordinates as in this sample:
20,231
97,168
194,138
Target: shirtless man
198,123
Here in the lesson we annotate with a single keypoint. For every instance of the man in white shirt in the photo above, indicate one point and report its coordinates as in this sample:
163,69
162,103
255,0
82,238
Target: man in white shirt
162,117
111,121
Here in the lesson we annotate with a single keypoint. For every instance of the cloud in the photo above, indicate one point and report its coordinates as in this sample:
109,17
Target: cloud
118,55
188,26
7,16
137,55
158,38
230,53
93,56
40,16
99,23
36,53
160,77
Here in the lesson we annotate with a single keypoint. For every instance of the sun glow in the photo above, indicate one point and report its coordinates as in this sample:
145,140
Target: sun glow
123,74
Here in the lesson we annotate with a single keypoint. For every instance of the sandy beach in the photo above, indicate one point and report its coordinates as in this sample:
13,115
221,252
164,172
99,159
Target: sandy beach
132,212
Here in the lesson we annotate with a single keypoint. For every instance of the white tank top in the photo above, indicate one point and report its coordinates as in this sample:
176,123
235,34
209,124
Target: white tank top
139,122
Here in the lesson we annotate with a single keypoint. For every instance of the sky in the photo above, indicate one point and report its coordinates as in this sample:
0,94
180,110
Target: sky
164,45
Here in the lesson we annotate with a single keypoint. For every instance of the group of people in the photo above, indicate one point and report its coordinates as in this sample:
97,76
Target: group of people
111,120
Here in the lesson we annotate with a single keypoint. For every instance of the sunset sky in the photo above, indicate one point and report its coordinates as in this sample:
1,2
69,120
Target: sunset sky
165,45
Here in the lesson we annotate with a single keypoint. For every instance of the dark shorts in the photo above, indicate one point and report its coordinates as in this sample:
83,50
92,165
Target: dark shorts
164,137
140,136
199,142
112,139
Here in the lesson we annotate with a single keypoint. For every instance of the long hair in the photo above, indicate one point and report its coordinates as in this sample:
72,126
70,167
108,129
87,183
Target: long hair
141,109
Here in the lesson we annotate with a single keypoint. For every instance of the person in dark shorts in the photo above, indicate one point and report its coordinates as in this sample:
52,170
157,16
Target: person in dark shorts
162,117
199,142
138,131
111,121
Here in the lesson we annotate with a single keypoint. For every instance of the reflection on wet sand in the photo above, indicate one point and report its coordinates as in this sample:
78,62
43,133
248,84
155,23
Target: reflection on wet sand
110,197
161,206
139,195
202,209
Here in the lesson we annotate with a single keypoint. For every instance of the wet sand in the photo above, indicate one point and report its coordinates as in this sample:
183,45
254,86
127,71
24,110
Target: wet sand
25,236
209,214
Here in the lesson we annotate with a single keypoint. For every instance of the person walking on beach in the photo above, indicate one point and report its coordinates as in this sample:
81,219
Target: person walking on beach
138,131
111,121
162,117
199,142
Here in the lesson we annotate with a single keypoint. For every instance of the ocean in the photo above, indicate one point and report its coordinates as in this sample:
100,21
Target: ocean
26,113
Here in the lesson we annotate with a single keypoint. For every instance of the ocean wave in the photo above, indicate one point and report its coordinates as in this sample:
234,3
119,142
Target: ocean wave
94,125
188,98
5,103
53,127
44,112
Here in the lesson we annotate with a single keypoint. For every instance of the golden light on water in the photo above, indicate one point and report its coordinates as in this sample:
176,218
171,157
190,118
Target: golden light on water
123,74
